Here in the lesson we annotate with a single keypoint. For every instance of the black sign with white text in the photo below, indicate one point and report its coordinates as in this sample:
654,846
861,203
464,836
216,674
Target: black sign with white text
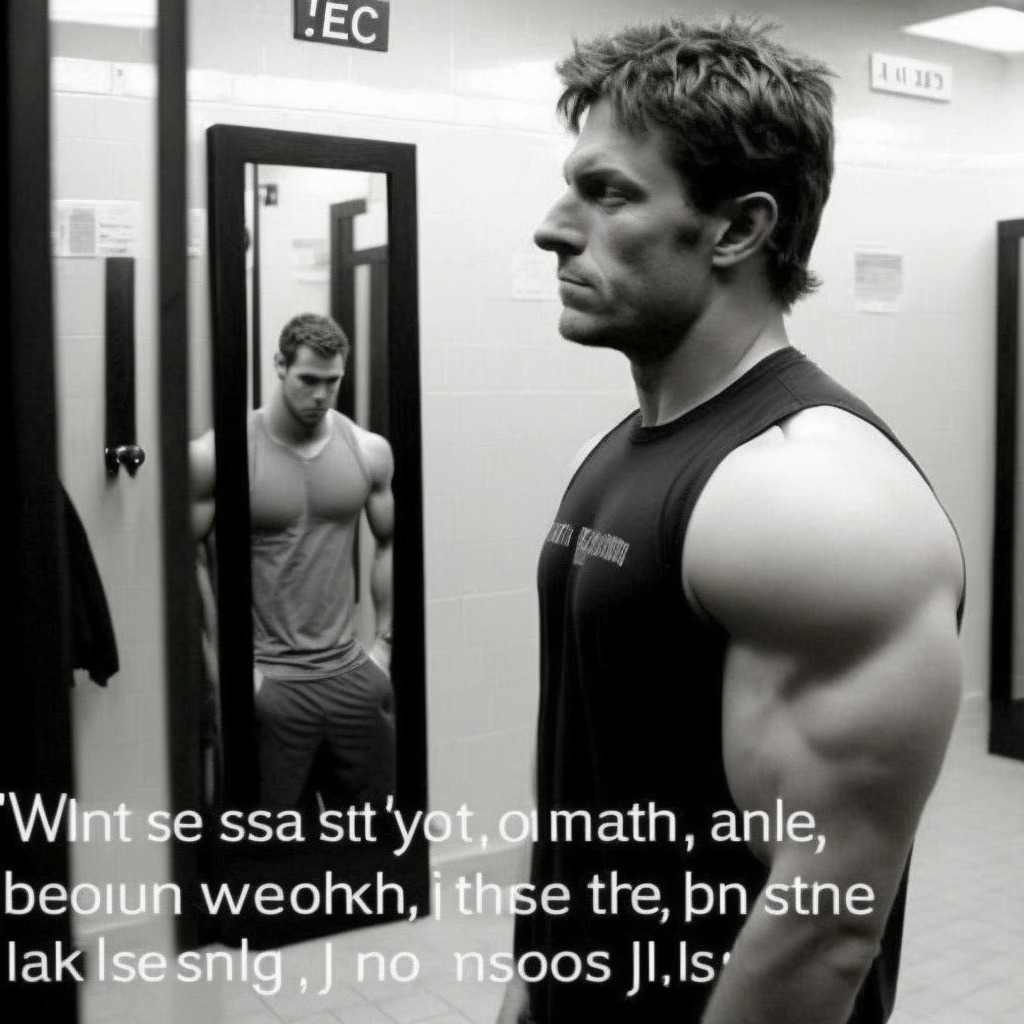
359,23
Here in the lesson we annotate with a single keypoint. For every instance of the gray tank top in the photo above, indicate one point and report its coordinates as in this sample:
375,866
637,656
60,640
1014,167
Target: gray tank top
304,513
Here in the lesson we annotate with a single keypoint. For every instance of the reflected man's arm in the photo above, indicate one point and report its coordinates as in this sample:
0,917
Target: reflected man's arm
202,477
380,515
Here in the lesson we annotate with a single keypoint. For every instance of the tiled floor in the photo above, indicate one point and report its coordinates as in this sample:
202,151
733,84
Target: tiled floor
963,949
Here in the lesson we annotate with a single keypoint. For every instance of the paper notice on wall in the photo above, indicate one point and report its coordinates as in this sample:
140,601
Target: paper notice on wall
534,275
196,232
310,252
877,281
85,228
310,259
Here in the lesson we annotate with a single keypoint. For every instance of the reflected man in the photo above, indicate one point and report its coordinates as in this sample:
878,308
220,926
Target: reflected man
312,473
749,596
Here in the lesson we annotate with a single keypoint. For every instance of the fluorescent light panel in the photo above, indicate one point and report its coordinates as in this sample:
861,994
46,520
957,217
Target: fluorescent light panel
998,29
121,13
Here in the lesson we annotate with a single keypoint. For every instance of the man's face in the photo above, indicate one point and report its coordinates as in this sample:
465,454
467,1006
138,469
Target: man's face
634,254
309,386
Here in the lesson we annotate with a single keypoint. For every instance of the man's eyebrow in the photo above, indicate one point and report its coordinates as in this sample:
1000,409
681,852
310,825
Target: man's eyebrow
596,173
593,167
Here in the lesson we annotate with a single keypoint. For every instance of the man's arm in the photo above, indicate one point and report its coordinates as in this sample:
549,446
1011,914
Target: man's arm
837,578
202,477
380,515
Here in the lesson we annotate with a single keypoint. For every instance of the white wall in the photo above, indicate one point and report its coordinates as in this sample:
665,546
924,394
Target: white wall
1014,97
506,402
103,148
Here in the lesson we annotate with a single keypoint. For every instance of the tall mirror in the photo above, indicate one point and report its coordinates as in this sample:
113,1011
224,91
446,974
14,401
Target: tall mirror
315,558
1006,722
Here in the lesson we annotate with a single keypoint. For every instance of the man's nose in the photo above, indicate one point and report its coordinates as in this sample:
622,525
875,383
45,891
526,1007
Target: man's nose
560,230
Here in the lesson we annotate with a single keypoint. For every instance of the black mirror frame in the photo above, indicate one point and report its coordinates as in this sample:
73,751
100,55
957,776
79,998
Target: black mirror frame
229,149
1006,719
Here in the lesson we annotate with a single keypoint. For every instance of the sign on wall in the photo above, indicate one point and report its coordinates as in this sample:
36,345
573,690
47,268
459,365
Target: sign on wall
877,280
89,228
362,24
911,77
534,276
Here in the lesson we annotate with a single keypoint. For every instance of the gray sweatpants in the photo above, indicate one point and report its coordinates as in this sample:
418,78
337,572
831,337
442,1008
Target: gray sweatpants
351,714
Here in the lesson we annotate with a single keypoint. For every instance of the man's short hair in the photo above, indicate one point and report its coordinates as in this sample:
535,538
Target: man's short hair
320,333
740,114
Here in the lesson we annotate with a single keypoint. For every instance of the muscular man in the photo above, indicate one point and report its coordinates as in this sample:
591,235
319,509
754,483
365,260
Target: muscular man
750,596
312,472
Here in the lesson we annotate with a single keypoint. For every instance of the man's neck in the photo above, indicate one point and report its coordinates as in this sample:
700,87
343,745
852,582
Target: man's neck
288,430
720,348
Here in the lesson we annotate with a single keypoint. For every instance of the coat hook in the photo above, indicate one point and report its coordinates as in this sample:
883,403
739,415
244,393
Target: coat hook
131,456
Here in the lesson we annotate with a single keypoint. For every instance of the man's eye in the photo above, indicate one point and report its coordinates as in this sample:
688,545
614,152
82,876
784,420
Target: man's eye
596,189
609,194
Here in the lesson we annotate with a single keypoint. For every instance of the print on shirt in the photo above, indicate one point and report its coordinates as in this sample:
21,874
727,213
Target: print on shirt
589,543
561,534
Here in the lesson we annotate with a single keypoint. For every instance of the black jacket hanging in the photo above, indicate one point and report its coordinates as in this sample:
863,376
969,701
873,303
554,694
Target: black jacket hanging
93,646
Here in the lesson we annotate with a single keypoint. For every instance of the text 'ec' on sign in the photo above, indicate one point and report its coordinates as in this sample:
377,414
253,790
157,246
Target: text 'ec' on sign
359,23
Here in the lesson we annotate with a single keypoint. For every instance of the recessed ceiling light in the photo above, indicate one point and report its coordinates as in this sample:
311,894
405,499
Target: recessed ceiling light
998,29
120,13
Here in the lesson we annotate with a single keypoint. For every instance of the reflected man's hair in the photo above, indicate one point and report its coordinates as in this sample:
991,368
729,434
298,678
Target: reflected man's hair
320,333
739,113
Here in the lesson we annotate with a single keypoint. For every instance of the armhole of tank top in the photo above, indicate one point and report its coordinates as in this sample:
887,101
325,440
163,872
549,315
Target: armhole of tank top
873,420
672,540
348,434
678,508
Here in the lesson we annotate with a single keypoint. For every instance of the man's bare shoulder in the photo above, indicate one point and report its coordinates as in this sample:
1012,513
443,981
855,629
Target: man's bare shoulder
819,523
375,449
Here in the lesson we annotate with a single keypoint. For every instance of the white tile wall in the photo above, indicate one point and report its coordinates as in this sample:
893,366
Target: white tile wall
506,402
104,148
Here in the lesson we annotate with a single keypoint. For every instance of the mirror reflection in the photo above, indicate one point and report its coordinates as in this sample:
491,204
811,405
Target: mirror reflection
321,508
318,241
321,641
317,707
321,505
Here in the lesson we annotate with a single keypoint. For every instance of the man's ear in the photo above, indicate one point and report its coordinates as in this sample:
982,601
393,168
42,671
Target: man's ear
748,225
280,365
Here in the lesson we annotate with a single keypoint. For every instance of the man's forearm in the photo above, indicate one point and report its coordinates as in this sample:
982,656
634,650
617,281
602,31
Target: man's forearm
382,588
792,970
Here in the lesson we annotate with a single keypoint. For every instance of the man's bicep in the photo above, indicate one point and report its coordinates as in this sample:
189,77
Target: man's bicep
380,504
202,481
380,514
202,467
852,741
837,585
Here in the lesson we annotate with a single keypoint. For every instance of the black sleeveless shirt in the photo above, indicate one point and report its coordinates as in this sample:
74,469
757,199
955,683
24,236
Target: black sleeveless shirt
631,720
